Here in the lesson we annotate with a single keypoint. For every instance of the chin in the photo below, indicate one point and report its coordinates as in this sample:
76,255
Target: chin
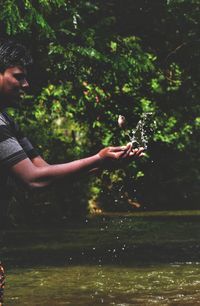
15,103
14,100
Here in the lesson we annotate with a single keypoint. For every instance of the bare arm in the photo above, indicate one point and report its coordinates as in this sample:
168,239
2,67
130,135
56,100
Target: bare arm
34,174
38,173
39,161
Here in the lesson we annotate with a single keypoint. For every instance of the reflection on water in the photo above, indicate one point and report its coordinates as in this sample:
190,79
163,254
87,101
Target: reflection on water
167,284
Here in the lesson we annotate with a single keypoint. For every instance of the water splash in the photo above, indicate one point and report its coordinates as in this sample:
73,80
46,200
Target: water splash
143,131
140,135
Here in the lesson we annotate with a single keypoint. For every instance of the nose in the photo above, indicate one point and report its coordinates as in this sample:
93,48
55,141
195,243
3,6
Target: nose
24,84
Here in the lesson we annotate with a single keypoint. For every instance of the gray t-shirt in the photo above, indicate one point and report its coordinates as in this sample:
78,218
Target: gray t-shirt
14,147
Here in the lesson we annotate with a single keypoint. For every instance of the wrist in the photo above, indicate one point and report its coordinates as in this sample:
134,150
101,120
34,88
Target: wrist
99,160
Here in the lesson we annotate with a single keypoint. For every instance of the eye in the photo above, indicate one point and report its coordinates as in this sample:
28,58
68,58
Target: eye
19,76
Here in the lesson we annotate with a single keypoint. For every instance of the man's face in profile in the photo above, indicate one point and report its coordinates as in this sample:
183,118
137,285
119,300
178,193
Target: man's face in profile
13,84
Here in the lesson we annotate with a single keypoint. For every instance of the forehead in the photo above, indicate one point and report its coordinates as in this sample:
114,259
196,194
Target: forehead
16,70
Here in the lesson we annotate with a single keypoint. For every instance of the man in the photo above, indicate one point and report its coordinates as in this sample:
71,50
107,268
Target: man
18,158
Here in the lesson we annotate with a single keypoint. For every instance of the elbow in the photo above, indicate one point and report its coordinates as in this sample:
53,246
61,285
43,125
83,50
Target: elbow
32,177
33,185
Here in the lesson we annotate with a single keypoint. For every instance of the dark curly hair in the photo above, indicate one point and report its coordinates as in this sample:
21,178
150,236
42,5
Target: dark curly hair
12,54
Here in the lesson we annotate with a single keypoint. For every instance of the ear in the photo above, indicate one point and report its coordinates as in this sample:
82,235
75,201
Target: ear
1,81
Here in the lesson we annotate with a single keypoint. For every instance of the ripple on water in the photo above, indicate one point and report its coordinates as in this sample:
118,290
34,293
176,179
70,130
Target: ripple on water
105,285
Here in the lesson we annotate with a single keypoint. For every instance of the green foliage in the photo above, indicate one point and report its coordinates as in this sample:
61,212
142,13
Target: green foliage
17,16
94,63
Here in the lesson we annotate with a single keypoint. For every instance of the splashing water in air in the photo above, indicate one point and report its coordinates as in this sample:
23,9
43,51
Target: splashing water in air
143,130
140,135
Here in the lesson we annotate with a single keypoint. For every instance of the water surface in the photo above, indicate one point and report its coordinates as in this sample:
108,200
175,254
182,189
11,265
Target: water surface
174,284
145,259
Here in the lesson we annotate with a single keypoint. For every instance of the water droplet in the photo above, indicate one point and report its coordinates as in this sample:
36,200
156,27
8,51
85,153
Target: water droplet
139,136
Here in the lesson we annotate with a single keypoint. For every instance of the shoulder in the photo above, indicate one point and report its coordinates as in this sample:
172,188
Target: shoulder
8,124
3,119
11,151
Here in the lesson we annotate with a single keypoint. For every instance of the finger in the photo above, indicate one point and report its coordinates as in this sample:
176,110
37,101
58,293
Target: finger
142,154
127,149
129,144
138,151
119,149
126,153
134,152
120,154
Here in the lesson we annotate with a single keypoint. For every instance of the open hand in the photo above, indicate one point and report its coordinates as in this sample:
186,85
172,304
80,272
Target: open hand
112,155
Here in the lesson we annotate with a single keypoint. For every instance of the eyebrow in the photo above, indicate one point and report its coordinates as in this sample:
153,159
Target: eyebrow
19,70
20,73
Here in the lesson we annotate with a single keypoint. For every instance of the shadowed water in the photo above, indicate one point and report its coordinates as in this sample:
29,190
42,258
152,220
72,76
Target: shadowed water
148,259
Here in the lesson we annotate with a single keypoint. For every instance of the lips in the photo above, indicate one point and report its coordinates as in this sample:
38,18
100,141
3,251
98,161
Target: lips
20,94
16,95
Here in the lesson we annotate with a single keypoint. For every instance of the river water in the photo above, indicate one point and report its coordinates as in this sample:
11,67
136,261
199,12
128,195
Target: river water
157,266
174,284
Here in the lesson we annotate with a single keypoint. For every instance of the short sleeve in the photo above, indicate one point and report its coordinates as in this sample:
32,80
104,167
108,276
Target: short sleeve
14,147
28,148
11,152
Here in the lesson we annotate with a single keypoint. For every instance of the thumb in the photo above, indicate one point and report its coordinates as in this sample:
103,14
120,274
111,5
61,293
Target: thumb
118,149
120,154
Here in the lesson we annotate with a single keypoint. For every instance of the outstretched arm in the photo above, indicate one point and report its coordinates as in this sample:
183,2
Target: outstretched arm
40,174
